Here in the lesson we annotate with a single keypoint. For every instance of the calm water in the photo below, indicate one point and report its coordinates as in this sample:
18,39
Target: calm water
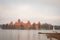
25,34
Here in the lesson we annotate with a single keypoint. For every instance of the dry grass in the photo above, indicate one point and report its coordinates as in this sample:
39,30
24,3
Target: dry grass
54,35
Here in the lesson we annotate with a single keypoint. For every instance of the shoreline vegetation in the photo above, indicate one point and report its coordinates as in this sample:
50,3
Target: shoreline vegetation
56,35
52,35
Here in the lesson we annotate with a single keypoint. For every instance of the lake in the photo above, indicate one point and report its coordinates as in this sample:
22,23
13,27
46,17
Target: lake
25,34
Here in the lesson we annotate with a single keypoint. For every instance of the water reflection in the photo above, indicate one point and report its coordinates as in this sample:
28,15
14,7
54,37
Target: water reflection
23,35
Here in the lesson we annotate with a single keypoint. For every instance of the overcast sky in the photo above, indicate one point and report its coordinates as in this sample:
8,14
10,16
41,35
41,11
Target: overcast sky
45,11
